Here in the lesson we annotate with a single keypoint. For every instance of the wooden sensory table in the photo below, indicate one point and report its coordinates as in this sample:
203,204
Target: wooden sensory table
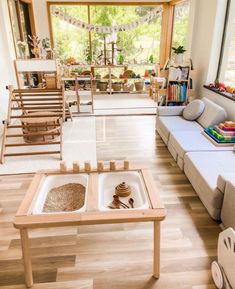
25,219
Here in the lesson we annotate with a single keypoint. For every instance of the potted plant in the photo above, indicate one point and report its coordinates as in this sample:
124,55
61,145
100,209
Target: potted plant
49,53
179,53
151,59
22,48
120,58
88,57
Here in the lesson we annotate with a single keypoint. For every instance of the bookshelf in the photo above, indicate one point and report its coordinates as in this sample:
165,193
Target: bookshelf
179,85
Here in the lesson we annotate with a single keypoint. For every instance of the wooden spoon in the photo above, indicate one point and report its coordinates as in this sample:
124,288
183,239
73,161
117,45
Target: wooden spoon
131,202
116,199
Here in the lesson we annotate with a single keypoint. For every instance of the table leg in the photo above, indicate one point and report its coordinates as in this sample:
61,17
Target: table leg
26,257
156,249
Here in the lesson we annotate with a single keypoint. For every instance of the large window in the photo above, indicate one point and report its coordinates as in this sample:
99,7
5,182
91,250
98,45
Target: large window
227,67
180,24
136,45
22,25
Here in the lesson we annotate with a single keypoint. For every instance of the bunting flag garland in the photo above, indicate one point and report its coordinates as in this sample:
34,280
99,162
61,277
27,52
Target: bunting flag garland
106,29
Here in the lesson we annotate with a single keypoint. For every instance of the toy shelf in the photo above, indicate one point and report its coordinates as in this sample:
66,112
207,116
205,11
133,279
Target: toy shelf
174,91
108,71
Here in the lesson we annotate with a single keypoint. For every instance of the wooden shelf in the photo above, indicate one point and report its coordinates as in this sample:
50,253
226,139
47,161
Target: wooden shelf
179,80
111,80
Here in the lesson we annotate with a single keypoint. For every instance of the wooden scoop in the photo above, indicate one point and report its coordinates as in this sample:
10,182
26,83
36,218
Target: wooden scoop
131,202
116,199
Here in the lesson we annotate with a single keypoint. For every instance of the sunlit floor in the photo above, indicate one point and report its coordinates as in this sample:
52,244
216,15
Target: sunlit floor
116,256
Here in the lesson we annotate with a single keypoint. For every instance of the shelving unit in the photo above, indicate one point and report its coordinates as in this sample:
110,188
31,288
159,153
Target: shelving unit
108,74
176,91
81,94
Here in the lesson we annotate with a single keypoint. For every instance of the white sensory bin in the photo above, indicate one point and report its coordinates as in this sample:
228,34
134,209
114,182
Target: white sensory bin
106,189
53,181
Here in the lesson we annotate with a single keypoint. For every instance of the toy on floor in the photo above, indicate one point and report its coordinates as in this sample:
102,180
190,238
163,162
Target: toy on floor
223,271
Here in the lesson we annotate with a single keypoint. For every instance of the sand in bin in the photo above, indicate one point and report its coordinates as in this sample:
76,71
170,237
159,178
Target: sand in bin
66,198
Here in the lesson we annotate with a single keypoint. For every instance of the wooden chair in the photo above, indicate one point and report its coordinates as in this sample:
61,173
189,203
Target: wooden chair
35,118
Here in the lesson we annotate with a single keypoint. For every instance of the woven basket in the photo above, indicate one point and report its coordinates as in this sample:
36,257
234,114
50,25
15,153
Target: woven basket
128,87
50,81
29,127
117,86
139,86
102,86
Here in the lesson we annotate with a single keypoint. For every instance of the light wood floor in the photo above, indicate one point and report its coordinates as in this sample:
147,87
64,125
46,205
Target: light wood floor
116,256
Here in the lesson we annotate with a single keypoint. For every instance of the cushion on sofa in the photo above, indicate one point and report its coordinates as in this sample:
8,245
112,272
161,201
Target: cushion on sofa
228,212
202,170
194,109
192,141
170,110
167,124
212,114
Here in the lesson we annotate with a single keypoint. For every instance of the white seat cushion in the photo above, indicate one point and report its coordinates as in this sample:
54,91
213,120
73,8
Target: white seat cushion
202,170
167,124
212,114
192,141
223,178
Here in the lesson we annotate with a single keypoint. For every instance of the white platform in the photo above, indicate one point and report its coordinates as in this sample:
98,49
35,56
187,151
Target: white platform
79,145
123,103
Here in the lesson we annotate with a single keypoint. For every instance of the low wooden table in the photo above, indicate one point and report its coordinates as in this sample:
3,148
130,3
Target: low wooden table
25,220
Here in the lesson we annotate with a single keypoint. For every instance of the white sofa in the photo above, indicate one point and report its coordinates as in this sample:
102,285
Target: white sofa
228,211
169,119
208,173
182,142
201,160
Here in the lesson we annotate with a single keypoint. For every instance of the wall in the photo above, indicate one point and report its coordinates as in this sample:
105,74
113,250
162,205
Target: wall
205,48
228,104
6,59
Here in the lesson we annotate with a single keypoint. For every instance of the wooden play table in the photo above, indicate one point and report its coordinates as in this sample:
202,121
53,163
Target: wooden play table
25,219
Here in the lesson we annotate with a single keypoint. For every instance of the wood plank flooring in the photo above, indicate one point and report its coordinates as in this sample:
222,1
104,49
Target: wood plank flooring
116,256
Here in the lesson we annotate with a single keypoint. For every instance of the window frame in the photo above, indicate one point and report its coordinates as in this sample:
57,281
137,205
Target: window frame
19,22
227,21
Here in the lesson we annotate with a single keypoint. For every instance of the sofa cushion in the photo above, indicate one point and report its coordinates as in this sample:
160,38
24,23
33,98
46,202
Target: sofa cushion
167,124
223,178
194,109
212,114
202,170
170,110
192,141
228,212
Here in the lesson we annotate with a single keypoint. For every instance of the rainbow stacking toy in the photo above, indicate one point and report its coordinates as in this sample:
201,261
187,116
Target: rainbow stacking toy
224,133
